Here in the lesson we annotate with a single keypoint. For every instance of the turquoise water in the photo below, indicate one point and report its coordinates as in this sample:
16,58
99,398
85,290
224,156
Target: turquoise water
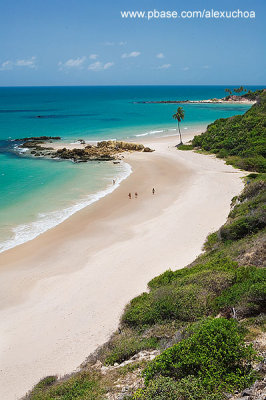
36,194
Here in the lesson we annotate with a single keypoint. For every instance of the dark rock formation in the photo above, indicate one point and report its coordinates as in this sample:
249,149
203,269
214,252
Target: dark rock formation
103,151
38,138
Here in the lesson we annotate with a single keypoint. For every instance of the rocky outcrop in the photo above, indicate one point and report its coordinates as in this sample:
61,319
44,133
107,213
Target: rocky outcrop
38,138
127,383
103,151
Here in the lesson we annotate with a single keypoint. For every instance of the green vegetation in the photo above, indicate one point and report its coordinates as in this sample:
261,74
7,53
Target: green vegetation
79,386
125,345
240,89
164,388
240,139
215,354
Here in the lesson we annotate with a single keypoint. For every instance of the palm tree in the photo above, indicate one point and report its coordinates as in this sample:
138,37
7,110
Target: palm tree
229,91
179,116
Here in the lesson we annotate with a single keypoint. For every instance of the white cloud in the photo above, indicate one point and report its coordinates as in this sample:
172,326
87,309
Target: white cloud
114,43
6,65
93,56
132,54
206,67
99,66
165,66
72,63
185,68
160,55
27,62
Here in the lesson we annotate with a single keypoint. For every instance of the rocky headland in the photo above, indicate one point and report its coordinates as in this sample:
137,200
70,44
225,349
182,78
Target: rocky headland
247,98
227,99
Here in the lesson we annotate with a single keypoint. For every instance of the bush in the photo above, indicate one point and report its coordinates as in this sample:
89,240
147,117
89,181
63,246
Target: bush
185,295
185,147
243,226
247,294
164,388
211,242
215,354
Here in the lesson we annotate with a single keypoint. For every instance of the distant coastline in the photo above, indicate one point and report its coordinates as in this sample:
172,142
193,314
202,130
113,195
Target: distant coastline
208,101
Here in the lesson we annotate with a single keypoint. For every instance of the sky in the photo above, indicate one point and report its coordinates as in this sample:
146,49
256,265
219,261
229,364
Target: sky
85,42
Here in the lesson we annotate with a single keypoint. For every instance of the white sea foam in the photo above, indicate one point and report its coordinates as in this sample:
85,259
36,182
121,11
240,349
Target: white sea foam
25,232
20,149
150,133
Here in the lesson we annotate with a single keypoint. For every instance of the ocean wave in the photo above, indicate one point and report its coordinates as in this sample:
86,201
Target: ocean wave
26,232
151,133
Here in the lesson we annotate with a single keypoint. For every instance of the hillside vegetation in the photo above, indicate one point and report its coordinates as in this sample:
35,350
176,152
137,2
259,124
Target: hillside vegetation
202,319
241,139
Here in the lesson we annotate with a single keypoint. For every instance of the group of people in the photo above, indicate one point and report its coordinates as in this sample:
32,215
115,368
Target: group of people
136,194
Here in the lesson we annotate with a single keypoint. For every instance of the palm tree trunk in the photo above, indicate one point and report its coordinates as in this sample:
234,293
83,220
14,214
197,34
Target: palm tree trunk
179,132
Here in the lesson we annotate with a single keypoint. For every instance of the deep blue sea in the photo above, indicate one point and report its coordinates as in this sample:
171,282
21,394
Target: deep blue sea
37,194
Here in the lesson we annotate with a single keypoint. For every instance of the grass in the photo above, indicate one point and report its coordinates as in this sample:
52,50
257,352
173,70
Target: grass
81,386
123,346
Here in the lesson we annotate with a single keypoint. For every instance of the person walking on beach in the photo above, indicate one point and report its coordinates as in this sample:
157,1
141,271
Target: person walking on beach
153,191
129,196
136,195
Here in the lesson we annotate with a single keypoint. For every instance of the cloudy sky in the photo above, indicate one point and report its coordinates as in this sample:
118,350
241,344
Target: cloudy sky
85,42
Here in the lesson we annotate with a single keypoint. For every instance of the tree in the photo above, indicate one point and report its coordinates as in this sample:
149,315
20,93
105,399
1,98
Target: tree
179,116
240,89
229,91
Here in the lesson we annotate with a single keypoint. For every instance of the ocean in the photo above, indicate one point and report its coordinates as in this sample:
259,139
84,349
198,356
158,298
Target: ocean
36,194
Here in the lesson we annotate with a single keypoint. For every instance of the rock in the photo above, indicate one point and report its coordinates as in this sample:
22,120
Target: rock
148,150
38,138
246,392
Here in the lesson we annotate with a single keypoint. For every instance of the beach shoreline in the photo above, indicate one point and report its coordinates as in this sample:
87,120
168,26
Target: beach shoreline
63,292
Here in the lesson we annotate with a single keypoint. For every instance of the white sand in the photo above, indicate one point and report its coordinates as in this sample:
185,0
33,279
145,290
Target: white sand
62,293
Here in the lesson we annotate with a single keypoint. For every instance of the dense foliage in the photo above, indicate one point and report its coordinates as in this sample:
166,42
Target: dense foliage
240,139
215,353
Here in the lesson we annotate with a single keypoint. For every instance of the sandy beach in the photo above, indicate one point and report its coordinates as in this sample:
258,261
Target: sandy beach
62,294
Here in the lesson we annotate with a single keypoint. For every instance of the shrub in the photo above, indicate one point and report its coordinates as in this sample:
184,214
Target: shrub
243,226
211,242
164,388
183,295
215,353
247,294
185,147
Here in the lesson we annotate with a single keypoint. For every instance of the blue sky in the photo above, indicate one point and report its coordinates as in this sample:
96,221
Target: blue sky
85,42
